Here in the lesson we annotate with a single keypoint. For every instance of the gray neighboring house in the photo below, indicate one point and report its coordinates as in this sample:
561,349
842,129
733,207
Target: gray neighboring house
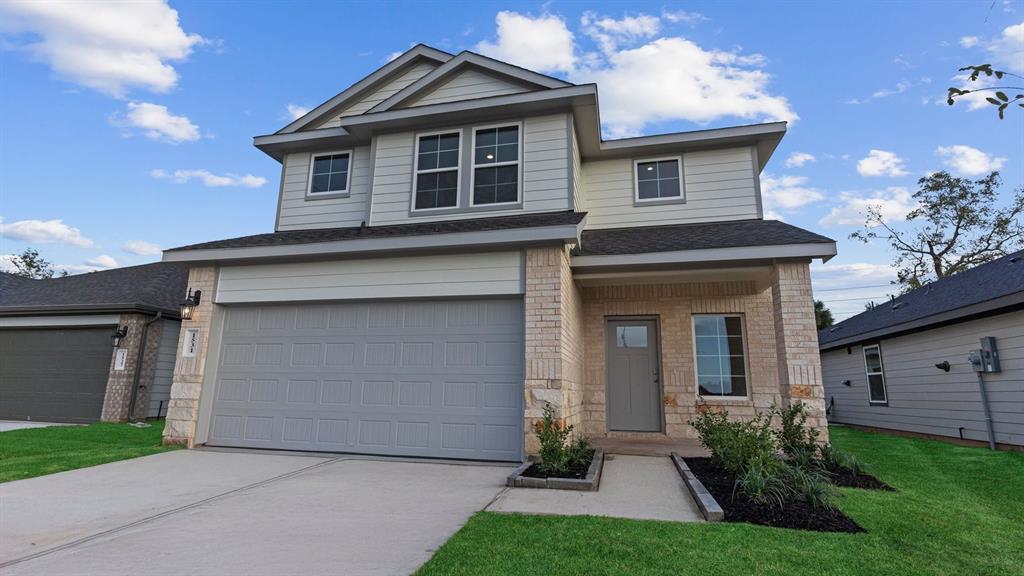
57,359
880,366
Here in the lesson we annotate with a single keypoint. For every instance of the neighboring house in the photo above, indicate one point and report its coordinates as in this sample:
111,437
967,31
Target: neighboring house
455,246
884,368
57,359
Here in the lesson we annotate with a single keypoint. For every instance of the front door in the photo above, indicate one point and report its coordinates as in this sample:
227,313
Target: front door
634,391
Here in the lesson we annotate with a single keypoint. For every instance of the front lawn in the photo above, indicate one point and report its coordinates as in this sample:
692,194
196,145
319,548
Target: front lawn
38,451
957,510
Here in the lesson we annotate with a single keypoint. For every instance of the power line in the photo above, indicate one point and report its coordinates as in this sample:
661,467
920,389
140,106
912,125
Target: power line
855,299
854,288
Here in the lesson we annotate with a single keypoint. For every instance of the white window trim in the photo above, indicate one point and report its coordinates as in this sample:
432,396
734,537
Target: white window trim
348,177
636,180
518,163
746,359
416,170
881,372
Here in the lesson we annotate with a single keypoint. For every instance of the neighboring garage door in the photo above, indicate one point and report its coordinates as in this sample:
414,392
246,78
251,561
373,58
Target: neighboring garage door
417,378
54,374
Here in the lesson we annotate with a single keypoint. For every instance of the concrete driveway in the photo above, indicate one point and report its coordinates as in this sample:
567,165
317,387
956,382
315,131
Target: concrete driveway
232,512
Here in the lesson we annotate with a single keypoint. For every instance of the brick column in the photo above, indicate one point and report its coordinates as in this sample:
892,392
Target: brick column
183,407
796,341
554,347
119,382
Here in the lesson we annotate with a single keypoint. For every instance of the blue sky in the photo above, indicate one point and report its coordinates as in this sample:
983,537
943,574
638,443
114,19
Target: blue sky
127,128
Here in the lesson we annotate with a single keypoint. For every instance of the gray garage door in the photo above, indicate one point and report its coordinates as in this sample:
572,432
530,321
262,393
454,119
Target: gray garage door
54,375
417,378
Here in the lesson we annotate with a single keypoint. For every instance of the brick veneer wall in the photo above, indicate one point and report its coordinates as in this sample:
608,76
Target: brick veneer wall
183,407
119,382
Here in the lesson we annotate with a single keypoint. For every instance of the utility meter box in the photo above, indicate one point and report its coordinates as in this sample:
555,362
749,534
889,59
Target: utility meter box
974,357
989,355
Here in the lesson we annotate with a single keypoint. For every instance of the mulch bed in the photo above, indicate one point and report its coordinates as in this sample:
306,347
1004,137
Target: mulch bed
794,514
846,479
578,471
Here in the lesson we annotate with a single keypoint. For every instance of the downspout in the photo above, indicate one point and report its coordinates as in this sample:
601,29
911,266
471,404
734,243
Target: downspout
138,365
988,411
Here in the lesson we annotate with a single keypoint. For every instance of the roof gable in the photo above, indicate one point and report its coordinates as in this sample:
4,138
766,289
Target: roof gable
503,75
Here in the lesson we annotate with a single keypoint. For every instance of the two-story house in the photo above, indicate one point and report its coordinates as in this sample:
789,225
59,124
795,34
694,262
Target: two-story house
456,246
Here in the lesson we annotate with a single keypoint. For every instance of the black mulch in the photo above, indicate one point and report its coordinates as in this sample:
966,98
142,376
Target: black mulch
576,470
846,479
793,514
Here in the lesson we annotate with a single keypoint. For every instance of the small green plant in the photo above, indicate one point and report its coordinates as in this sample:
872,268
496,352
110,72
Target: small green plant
794,436
580,452
554,458
762,481
811,487
832,457
734,443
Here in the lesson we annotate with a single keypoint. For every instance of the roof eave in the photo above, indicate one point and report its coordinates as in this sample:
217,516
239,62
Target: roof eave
739,254
106,308
765,136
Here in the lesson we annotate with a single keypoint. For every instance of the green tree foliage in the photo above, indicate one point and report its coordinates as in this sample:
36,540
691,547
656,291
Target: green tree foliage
31,265
999,99
822,315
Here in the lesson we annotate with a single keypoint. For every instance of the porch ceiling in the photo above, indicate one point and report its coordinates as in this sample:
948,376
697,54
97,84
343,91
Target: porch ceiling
760,275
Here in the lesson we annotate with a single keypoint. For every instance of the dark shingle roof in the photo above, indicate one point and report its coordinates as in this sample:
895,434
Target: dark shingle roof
922,307
392,231
154,287
735,234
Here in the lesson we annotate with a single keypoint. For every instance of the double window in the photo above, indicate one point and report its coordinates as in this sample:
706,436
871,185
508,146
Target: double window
496,165
437,171
330,173
721,355
658,179
876,374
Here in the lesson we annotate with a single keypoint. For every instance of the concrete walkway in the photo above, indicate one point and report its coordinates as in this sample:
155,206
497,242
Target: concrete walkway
8,425
206,512
641,487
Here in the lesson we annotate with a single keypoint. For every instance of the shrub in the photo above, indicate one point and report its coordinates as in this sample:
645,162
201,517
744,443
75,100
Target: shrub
579,452
762,481
734,443
795,438
554,458
832,457
811,487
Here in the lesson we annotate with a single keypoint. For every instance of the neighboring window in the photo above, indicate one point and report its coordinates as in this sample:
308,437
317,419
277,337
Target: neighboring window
659,179
875,374
330,173
496,165
437,171
721,360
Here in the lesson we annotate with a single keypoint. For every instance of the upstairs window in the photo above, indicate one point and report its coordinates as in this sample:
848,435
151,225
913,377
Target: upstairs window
658,179
437,171
721,355
496,165
329,173
876,375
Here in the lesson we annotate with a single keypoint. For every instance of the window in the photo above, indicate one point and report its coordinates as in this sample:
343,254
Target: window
496,165
329,173
719,351
658,179
631,336
437,171
875,374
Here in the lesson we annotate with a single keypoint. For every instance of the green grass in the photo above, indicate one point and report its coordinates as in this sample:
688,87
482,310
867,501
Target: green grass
38,451
958,511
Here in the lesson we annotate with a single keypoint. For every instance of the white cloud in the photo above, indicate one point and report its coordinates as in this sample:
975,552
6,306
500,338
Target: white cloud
609,33
295,111
1008,49
690,18
786,193
7,262
44,232
969,41
900,88
544,43
859,270
102,261
798,159
881,163
893,204
210,179
968,161
141,248
111,47
157,123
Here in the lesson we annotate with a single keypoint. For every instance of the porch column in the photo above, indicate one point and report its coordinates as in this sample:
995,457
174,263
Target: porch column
554,347
796,341
183,407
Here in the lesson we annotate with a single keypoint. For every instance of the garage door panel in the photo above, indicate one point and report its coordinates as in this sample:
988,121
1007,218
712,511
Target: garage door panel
420,378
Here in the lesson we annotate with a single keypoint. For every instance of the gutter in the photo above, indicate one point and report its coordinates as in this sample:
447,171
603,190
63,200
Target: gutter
62,309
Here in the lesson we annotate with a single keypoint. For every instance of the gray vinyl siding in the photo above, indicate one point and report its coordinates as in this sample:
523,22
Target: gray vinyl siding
719,185
385,91
299,212
164,371
925,399
578,184
446,275
467,85
545,173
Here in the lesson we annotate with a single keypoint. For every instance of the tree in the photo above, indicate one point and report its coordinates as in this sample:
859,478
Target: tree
31,265
958,226
1001,100
822,315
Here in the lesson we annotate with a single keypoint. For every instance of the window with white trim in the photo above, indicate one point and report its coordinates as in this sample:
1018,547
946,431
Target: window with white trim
330,173
496,165
721,361
876,374
658,179
437,171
